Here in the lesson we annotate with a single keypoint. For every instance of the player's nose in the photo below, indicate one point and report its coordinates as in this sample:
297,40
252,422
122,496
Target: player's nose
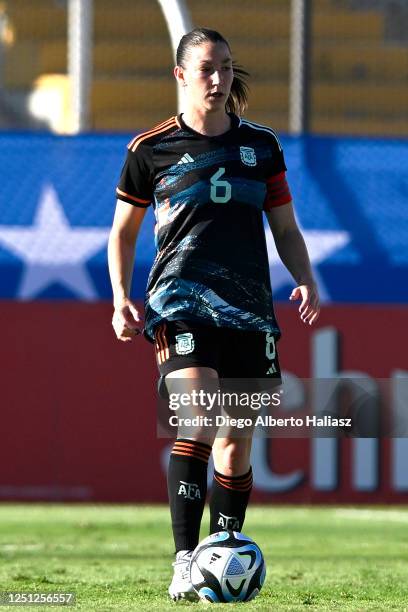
216,77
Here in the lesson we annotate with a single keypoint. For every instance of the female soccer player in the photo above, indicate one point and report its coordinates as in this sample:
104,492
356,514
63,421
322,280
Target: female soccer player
209,175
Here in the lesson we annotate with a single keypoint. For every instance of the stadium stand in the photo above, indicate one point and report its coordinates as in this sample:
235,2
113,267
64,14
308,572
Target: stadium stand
359,71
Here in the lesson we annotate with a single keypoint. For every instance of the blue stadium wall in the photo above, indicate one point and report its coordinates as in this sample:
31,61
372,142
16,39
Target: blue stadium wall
351,199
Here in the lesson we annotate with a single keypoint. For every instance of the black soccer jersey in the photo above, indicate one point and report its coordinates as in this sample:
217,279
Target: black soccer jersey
208,195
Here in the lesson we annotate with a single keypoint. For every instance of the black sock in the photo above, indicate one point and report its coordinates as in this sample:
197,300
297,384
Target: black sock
187,488
229,501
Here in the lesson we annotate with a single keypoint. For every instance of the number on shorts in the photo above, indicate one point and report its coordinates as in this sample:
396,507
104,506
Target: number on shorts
270,346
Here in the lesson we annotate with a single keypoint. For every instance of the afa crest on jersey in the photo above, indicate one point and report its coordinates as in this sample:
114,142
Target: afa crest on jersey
248,156
184,343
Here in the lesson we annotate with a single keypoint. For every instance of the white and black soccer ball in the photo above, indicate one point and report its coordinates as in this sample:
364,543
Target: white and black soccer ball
227,566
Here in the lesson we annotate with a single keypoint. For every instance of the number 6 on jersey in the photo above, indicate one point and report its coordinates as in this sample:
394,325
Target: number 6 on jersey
220,190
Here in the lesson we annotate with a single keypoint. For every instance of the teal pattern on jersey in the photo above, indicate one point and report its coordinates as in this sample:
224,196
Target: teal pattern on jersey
246,191
179,299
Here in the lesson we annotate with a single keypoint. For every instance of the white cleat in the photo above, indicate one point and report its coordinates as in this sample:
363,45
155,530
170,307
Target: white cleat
181,587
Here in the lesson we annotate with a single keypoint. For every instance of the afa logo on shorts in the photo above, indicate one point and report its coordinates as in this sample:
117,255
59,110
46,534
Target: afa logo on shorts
248,156
184,343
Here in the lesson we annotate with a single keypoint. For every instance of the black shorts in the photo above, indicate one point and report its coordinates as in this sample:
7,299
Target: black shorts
233,353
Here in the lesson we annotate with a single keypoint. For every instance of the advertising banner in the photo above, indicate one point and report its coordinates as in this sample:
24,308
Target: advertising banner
79,408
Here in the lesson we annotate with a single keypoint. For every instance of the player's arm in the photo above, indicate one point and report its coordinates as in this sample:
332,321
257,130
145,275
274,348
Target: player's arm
292,250
121,253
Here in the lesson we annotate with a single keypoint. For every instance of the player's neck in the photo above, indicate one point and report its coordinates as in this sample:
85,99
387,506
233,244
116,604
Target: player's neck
208,124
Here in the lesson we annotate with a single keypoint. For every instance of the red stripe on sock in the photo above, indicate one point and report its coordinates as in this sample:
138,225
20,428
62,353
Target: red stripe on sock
192,455
235,483
192,449
202,448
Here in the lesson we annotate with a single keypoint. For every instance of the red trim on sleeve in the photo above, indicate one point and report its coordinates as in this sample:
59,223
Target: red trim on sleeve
277,191
119,192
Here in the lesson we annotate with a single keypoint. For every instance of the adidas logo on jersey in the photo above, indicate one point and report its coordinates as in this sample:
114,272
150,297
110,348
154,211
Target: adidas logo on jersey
186,159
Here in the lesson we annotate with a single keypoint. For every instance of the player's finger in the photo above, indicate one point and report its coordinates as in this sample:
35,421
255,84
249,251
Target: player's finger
125,339
314,318
295,294
122,330
128,334
129,331
311,312
117,329
123,320
306,312
135,313
305,302
129,320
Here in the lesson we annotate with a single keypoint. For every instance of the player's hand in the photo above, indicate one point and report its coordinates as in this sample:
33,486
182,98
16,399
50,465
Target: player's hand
310,307
126,321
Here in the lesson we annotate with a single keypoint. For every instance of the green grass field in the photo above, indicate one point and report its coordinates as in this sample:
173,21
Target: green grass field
119,557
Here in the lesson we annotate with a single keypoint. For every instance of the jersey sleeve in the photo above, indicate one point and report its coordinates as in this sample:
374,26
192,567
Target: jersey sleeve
277,188
135,184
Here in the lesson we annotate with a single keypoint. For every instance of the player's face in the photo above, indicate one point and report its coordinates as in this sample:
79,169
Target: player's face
208,76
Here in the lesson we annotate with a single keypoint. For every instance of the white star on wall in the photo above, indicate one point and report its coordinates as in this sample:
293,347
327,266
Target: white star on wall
52,250
320,245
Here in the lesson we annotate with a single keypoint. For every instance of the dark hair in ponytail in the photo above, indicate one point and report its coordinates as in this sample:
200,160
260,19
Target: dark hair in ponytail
238,99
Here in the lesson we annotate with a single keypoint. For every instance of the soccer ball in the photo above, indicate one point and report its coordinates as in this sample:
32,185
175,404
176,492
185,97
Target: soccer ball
227,566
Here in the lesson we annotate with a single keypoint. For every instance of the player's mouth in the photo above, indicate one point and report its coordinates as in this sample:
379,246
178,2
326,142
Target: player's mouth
215,95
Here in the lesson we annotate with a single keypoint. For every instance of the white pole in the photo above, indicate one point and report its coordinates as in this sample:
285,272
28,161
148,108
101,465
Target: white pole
179,22
80,34
300,43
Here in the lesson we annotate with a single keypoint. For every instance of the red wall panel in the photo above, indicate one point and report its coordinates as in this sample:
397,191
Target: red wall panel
78,408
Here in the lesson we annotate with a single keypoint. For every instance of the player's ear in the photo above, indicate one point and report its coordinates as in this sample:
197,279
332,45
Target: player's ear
179,74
